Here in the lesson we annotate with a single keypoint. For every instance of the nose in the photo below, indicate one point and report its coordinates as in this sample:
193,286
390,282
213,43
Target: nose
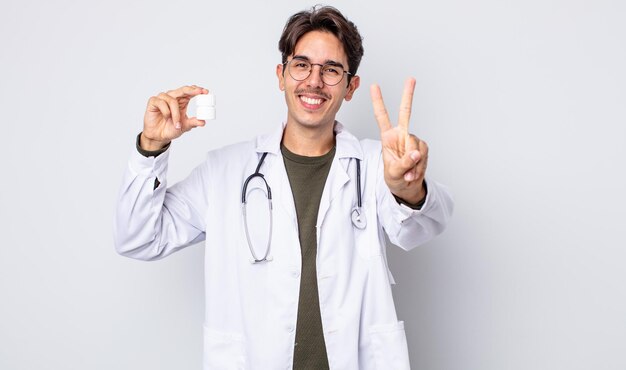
315,77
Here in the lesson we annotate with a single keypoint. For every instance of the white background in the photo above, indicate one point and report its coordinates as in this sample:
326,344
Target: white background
522,103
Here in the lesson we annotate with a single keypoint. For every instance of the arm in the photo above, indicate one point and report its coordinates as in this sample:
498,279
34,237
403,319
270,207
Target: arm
407,227
151,221
402,179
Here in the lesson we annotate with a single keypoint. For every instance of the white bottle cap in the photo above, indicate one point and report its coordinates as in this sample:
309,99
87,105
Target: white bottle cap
205,100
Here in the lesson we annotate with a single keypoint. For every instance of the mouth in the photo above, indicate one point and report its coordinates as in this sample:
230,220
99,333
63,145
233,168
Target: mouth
311,101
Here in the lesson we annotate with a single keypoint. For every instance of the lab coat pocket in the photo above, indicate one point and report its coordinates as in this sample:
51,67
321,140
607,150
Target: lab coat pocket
389,346
223,350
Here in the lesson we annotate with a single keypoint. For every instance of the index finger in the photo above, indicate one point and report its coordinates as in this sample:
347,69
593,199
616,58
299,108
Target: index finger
187,91
380,112
404,115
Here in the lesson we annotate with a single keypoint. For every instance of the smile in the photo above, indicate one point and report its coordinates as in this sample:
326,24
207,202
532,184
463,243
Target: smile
311,102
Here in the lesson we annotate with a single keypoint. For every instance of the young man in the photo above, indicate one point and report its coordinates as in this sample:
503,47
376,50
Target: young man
307,284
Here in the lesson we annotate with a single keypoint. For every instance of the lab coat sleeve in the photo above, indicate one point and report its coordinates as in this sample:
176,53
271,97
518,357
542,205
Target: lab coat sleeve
407,227
153,223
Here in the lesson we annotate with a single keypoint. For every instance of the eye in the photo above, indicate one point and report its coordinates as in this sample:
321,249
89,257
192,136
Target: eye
332,70
299,64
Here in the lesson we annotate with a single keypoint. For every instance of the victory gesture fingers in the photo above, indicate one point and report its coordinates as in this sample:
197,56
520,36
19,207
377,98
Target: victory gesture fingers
166,117
404,155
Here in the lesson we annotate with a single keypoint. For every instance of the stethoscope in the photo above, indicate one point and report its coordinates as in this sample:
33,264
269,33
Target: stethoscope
357,215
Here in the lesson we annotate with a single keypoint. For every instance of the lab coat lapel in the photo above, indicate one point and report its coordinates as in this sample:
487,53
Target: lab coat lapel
337,178
348,148
275,172
282,194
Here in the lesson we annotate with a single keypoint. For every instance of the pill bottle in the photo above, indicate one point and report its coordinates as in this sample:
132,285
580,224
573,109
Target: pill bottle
205,106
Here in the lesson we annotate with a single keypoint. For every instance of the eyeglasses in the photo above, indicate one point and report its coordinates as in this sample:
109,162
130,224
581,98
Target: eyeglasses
300,69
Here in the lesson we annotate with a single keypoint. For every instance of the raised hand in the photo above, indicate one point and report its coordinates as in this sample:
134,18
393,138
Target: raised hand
404,155
166,117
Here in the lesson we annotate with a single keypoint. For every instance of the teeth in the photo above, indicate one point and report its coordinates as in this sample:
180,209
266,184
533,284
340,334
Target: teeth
311,101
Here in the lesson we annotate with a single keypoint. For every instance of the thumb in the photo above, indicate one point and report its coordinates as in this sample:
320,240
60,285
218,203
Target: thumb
405,164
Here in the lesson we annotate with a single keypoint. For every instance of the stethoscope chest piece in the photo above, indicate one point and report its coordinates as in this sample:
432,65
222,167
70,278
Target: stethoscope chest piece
357,215
358,218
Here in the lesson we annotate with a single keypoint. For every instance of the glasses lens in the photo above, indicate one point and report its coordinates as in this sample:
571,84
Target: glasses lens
299,69
331,74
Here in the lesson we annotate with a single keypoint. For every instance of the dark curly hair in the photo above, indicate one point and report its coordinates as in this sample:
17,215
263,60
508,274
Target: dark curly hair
323,18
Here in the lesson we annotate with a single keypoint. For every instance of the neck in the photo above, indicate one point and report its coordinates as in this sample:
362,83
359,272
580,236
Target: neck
308,142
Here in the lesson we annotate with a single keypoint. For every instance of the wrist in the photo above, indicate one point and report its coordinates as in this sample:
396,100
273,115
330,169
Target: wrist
151,145
412,198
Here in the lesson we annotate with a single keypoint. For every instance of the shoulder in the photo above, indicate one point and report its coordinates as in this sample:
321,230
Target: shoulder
371,146
350,146
231,152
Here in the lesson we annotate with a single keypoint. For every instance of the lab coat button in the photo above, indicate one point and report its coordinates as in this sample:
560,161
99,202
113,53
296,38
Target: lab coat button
290,329
295,274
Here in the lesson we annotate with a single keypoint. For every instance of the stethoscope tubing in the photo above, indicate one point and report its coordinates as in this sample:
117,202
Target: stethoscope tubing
245,214
358,218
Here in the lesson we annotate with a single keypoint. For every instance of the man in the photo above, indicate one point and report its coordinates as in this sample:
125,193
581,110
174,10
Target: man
306,285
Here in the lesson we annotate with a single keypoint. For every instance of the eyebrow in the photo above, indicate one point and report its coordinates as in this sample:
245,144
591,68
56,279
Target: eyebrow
327,62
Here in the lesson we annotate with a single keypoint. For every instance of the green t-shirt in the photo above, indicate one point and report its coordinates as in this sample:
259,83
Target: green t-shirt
307,176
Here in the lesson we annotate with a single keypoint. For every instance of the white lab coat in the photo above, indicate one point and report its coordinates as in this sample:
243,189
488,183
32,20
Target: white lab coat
251,309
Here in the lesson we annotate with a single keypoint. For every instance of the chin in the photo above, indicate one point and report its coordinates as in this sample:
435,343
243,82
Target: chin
309,123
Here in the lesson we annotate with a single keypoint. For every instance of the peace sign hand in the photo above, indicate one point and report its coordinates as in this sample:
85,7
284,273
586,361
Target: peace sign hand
404,155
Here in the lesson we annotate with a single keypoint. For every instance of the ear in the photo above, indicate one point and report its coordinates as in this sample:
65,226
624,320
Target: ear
355,82
281,77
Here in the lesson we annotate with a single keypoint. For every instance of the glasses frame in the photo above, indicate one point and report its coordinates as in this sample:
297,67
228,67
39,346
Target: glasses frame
287,62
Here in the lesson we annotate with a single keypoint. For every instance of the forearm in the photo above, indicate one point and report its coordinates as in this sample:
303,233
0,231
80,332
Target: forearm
416,227
152,222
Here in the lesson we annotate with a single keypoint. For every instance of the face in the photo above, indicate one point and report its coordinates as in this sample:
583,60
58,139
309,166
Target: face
311,103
